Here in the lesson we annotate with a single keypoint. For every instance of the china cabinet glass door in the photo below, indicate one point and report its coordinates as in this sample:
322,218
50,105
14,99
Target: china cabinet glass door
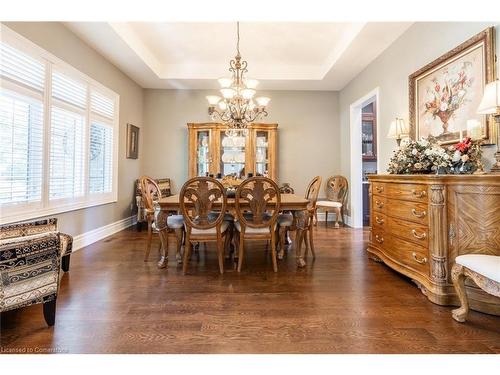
203,155
261,153
232,155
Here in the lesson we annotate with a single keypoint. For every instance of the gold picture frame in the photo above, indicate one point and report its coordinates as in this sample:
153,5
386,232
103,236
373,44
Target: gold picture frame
132,141
445,94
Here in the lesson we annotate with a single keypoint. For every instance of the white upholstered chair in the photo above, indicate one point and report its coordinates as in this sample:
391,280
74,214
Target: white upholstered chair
484,270
336,189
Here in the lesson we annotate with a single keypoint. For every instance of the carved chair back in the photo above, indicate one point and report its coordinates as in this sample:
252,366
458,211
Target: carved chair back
336,189
259,196
312,192
286,189
197,199
151,193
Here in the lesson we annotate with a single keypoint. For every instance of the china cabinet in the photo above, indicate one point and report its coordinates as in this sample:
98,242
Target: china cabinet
212,151
368,133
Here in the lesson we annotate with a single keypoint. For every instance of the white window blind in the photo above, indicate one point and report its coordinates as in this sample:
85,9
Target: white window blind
21,153
21,68
69,90
58,134
66,154
101,158
102,104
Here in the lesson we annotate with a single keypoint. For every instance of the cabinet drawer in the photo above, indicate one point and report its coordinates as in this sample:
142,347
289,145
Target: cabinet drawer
408,254
412,211
378,187
379,220
378,238
410,192
378,203
413,232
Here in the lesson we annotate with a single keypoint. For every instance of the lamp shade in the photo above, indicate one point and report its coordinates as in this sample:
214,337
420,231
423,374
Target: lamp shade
225,82
398,129
491,99
247,93
228,93
251,83
262,101
213,99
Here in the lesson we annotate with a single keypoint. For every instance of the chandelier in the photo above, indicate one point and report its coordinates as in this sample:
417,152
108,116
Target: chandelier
237,108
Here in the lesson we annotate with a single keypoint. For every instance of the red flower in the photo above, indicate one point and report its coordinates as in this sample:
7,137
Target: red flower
464,145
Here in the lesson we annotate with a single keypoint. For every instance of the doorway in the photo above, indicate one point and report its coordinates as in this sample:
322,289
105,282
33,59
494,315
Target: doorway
364,115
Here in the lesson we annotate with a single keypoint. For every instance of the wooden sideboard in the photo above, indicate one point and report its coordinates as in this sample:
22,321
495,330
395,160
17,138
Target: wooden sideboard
419,224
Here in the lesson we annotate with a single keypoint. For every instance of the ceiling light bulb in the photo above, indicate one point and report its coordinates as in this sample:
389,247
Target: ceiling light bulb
251,105
228,93
225,82
247,93
262,101
222,105
213,99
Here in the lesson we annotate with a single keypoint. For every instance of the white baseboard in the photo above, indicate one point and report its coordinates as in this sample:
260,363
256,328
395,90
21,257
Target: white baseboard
331,217
97,234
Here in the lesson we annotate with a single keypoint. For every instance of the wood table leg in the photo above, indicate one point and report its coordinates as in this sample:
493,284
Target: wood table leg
161,222
301,222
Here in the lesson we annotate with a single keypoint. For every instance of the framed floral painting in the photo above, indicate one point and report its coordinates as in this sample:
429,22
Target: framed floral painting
446,93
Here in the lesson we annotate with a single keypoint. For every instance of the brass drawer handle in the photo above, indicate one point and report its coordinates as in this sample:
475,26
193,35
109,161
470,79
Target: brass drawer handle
379,189
420,261
419,194
379,204
419,236
379,221
379,239
418,214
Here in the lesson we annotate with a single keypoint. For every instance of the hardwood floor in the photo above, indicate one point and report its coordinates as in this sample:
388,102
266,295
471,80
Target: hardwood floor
113,302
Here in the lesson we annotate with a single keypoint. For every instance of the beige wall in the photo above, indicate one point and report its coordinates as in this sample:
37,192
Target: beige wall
60,41
308,133
419,45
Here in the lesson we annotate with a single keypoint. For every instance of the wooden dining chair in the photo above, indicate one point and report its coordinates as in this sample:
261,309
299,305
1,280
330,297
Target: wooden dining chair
197,199
336,189
257,204
286,220
151,194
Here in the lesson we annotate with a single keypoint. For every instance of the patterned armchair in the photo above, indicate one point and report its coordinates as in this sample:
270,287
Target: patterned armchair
163,183
36,228
30,265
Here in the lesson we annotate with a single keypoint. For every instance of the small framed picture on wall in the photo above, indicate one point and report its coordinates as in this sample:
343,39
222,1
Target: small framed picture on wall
132,141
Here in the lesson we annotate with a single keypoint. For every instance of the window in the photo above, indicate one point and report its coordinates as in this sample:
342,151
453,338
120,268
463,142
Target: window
58,132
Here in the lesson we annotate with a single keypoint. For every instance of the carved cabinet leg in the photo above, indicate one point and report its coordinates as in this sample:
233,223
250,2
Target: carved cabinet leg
458,277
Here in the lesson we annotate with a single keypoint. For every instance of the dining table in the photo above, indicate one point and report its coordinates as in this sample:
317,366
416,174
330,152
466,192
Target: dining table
294,203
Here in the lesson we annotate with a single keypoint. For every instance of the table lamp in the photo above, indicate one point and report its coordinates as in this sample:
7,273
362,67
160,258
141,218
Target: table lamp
398,130
490,105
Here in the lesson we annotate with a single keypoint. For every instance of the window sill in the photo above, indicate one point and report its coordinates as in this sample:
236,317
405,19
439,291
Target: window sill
13,216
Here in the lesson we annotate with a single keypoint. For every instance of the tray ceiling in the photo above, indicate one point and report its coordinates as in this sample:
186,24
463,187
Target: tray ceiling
282,55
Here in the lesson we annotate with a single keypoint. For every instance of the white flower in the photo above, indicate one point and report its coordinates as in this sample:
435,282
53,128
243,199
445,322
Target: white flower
443,107
456,156
414,151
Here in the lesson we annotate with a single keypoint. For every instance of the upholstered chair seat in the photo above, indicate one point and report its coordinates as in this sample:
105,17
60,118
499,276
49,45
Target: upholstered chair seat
252,230
227,216
328,204
285,219
486,265
483,269
213,231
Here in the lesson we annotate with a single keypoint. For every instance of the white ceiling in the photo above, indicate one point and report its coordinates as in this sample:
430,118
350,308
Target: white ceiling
282,55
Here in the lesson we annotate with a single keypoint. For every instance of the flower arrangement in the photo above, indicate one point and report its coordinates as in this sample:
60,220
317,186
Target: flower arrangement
465,157
427,156
448,95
